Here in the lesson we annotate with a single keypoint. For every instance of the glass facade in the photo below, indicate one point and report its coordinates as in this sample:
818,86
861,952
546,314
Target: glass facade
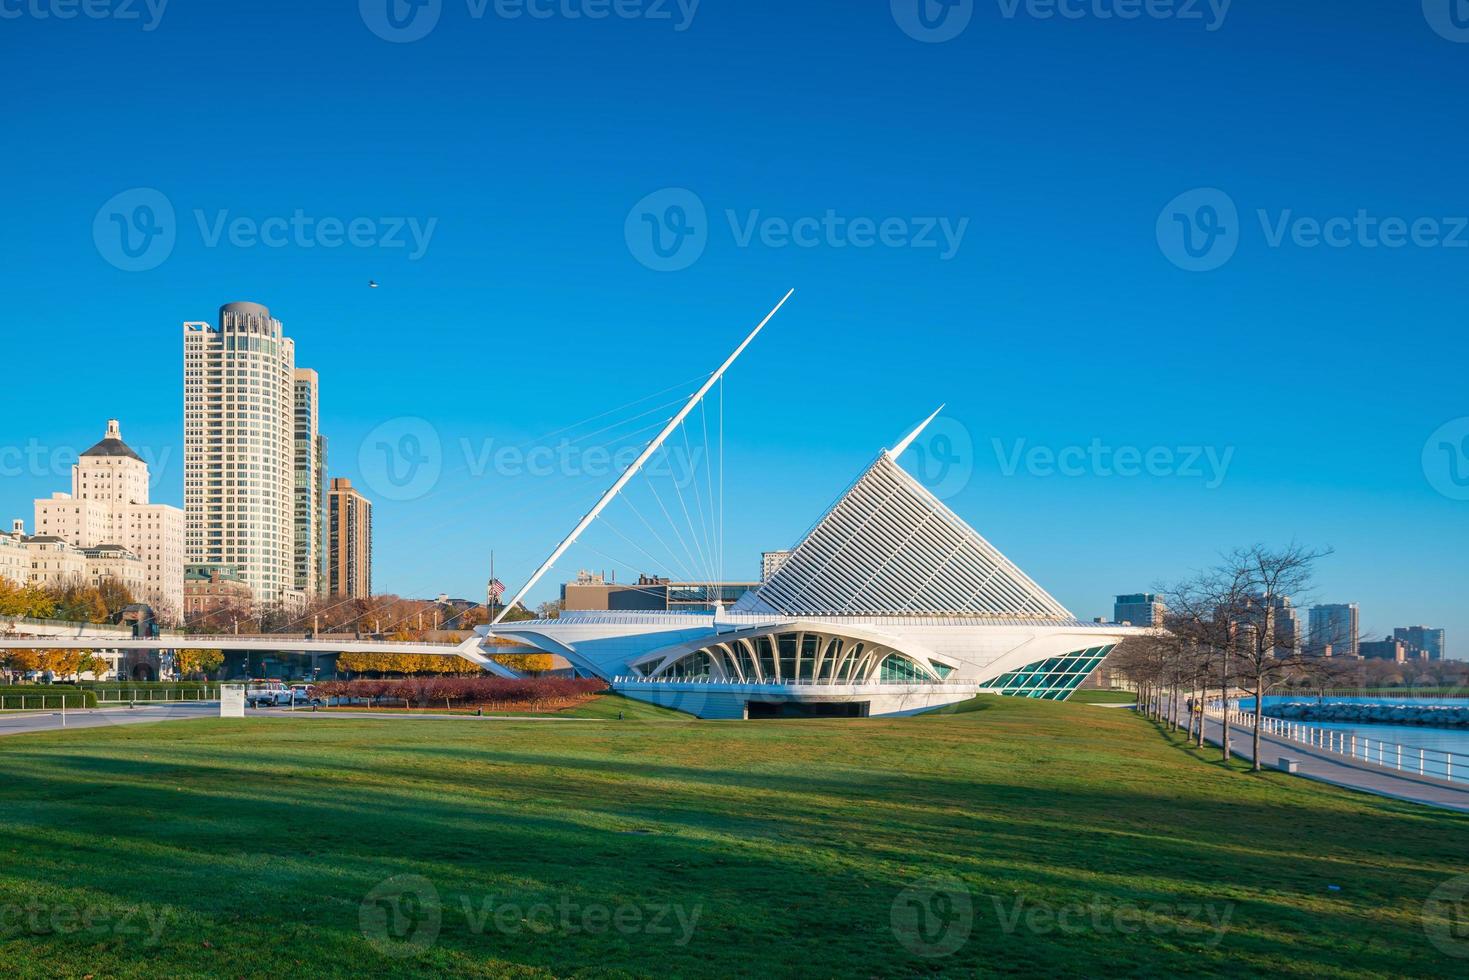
1053,679
899,669
800,657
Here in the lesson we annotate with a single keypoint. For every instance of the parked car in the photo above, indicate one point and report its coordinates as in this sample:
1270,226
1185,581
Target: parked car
302,694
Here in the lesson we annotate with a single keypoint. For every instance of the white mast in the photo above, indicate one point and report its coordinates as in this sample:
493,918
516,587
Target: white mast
637,464
898,450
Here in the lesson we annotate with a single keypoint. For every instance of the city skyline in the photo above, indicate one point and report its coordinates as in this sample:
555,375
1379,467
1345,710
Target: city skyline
1059,332
306,399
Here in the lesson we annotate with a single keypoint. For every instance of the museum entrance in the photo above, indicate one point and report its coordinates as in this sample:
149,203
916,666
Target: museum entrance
806,709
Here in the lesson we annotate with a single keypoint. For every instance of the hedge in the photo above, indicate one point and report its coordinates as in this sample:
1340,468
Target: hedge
45,696
465,691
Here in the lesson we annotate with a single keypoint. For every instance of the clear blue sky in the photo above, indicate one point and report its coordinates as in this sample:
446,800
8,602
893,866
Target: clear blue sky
1059,320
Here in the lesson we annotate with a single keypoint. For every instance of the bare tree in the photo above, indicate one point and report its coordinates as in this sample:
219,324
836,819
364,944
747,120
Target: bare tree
1204,612
1269,653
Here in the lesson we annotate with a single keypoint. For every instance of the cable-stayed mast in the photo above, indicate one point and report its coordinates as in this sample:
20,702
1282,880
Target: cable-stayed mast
637,464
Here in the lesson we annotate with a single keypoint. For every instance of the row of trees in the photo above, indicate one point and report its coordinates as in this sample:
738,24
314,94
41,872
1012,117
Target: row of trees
64,664
421,664
73,602
1224,631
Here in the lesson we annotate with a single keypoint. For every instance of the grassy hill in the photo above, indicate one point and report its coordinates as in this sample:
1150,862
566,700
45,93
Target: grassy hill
1019,837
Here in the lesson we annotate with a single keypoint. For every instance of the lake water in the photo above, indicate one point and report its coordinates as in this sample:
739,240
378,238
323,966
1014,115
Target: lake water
1411,737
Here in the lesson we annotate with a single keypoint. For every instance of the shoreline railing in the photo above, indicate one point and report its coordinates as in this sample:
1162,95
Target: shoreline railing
1376,693
1413,759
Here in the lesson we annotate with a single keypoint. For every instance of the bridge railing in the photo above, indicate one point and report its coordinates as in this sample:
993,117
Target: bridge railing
11,623
325,639
327,642
629,680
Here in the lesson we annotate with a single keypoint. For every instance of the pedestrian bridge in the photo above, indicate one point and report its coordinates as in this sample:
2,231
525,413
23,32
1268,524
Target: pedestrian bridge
472,649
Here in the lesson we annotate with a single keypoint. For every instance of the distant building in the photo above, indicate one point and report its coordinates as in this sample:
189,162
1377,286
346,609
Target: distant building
1388,649
1428,639
1334,625
108,507
1139,609
770,563
309,506
1287,622
113,562
349,529
15,560
239,450
50,562
592,592
210,589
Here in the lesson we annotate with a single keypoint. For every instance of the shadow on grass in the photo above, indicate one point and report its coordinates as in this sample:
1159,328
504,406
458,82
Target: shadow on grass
268,847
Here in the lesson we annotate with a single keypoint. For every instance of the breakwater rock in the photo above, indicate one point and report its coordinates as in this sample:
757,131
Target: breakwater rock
1428,715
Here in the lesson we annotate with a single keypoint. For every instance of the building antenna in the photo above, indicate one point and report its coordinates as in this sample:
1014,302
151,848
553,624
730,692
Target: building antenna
637,464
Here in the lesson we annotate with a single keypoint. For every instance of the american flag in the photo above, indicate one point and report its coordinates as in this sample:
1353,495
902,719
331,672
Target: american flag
497,588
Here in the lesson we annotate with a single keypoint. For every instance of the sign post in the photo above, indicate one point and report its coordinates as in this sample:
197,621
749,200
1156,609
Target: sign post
232,700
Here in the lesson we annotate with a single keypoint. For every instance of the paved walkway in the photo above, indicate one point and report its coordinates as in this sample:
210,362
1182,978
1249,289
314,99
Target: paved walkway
1331,767
26,722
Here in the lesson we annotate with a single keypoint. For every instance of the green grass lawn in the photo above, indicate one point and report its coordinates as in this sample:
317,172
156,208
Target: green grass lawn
1022,837
606,707
1102,697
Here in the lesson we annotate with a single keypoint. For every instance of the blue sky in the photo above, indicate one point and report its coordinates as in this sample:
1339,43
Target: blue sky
1064,155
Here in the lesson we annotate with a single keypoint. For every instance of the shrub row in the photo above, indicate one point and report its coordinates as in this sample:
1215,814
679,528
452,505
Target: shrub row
465,691
31,695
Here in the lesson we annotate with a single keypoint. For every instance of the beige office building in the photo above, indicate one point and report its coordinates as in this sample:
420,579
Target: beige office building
49,562
239,450
15,560
349,531
108,511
